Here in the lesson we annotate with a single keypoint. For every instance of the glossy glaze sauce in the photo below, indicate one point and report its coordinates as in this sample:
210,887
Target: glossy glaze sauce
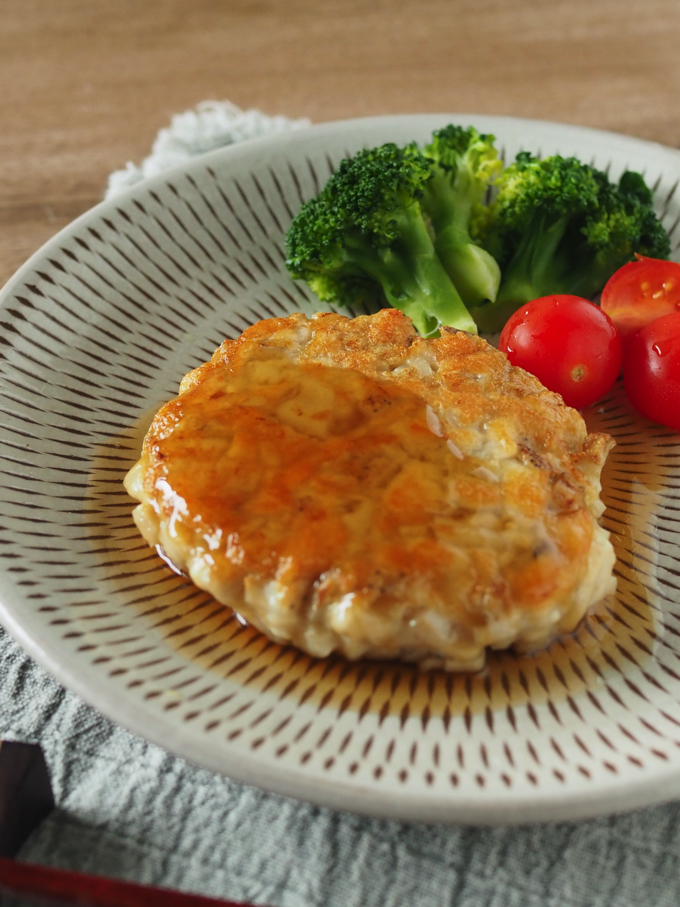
618,633
323,466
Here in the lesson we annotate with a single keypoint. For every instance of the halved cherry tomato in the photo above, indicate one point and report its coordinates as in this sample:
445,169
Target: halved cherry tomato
568,343
640,292
651,371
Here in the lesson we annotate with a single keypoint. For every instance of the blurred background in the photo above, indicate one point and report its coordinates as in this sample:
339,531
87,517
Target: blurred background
85,85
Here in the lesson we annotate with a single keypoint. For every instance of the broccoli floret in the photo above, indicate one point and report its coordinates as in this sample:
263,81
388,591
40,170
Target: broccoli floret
624,225
560,226
465,163
365,237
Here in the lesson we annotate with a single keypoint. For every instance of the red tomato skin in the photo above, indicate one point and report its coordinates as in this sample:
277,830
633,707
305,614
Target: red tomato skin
640,292
651,371
568,343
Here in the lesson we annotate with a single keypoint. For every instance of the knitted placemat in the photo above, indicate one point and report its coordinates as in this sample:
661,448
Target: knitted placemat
211,125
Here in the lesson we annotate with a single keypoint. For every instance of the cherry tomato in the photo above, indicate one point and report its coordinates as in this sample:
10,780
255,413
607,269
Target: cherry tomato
568,343
651,371
641,292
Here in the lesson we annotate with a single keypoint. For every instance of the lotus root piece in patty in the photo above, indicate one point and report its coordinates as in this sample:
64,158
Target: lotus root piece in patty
346,485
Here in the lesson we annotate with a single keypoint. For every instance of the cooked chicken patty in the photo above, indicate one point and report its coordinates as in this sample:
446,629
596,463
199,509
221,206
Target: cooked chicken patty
346,485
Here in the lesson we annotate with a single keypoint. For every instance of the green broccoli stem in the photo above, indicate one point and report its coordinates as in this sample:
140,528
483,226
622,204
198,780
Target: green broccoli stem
490,317
413,278
450,201
592,271
474,272
431,301
533,271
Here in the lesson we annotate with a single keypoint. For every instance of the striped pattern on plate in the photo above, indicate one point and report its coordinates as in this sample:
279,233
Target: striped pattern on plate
97,330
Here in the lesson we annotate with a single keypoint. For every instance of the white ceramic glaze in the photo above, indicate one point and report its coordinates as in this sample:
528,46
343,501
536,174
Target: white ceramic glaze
97,330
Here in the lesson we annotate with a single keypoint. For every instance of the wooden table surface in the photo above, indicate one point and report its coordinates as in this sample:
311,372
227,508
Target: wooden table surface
85,85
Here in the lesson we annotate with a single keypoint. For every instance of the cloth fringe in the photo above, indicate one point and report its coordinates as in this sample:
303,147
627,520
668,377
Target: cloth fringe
210,125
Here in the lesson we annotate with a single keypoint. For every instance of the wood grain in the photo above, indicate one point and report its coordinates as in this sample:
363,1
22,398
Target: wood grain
86,84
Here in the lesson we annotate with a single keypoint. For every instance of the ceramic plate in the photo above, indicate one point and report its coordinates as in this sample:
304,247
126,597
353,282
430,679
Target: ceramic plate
97,330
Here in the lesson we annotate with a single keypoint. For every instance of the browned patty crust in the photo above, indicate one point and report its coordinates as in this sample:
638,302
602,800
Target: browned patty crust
346,485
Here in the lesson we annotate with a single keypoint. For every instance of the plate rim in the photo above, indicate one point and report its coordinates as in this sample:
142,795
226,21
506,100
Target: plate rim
101,692
329,127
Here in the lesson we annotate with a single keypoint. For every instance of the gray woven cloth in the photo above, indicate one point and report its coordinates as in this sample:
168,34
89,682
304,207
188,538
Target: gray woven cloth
128,809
